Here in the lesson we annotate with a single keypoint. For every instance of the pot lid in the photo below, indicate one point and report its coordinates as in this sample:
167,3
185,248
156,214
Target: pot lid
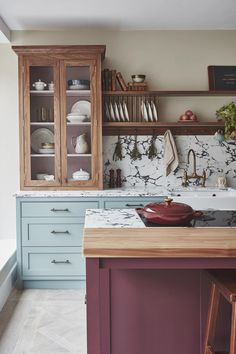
168,207
39,82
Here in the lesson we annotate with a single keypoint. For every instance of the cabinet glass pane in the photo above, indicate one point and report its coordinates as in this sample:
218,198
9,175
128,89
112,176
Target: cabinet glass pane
42,142
78,123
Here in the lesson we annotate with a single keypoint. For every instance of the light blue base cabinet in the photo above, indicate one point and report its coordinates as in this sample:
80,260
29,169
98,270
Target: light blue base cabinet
50,236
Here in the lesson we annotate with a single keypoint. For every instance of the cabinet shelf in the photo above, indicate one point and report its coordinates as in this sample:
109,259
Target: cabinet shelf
82,123
42,123
78,92
79,155
146,128
41,93
169,93
42,155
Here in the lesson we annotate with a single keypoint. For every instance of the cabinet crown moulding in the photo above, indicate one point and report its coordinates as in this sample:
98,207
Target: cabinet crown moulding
61,49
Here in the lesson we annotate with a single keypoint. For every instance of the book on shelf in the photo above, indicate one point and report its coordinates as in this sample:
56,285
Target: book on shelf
105,79
121,81
137,86
113,80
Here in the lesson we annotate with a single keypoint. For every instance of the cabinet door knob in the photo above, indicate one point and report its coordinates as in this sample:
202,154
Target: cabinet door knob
54,209
58,262
59,232
134,205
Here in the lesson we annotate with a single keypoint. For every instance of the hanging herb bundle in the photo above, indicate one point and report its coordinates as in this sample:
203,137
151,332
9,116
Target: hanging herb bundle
118,150
135,154
152,150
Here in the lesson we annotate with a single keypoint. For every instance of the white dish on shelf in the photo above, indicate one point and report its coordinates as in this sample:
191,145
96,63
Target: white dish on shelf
79,87
76,118
112,113
149,111
107,112
154,111
122,116
125,110
144,111
40,136
47,151
82,107
117,114
40,176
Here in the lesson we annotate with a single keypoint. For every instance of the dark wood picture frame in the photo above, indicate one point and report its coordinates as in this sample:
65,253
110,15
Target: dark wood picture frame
222,77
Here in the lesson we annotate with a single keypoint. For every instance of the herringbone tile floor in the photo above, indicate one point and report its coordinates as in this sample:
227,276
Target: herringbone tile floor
43,321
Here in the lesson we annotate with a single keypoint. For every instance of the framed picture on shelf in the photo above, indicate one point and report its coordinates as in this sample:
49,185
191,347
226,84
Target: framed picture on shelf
222,78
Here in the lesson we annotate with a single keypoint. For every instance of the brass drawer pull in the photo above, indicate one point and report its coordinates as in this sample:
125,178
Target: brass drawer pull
60,232
54,209
134,205
57,262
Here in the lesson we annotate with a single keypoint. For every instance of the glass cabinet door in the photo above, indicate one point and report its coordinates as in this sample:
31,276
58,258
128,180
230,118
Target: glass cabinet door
79,124
42,123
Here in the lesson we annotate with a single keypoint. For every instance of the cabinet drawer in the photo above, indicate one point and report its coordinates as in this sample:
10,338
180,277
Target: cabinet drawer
48,232
50,261
130,203
57,209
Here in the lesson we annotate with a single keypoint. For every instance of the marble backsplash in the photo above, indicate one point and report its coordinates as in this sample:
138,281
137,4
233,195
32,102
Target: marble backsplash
217,159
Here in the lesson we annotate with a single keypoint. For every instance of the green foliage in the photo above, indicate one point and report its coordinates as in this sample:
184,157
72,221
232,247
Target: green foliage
152,150
118,151
228,114
135,154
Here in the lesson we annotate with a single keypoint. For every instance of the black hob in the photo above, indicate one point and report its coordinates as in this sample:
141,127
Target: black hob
210,218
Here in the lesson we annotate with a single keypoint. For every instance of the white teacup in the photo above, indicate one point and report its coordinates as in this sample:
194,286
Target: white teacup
51,86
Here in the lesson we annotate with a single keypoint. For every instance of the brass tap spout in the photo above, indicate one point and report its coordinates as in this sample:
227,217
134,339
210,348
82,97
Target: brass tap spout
194,175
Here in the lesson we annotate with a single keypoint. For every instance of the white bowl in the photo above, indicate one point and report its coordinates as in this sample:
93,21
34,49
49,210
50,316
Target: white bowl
76,119
46,151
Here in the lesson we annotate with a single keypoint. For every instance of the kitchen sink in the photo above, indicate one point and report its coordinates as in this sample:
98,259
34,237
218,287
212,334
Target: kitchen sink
201,198
203,192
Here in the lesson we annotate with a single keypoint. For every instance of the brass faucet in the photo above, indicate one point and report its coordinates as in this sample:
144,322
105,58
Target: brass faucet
194,175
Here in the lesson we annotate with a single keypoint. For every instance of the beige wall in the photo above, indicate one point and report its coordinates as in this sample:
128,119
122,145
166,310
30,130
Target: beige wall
9,174
170,59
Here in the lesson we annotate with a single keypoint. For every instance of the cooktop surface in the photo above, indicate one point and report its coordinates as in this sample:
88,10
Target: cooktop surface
209,218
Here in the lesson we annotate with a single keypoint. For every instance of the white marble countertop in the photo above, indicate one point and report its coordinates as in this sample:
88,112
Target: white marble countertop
120,192
118,218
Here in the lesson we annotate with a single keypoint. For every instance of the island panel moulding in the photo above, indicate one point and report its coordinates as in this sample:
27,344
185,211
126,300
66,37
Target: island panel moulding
216,158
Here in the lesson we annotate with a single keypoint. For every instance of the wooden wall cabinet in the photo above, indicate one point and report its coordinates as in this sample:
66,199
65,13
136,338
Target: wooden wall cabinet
43,115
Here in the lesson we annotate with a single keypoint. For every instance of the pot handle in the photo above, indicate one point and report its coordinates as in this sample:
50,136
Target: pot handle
139,211
197,213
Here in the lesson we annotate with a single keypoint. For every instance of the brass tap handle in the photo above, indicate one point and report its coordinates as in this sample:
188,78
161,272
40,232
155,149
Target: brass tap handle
203,178
168,201
185,179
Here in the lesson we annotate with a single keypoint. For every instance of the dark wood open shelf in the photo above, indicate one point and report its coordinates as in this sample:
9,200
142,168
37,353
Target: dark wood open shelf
169,93
159,128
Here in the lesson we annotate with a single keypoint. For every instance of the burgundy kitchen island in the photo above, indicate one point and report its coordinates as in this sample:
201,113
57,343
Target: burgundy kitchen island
147,287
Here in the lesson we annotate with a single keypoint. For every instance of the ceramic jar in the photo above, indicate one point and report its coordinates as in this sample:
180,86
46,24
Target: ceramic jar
39,85
80,144
81,175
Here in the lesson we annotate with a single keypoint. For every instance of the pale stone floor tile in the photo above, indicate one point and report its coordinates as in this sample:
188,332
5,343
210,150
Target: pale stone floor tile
43,321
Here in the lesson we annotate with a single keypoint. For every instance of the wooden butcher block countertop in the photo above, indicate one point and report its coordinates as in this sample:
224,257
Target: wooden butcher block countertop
121,234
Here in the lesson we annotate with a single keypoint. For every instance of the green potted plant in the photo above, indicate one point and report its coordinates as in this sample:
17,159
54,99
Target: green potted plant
228,114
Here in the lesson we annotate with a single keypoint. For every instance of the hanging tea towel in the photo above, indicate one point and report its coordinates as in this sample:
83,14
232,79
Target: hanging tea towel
171,160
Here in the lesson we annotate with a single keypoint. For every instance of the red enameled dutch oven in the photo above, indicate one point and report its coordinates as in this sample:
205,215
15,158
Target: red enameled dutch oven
169,213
